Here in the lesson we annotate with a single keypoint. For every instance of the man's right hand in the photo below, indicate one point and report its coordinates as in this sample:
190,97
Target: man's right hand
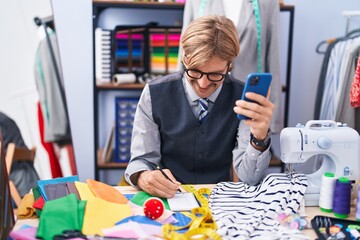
155,183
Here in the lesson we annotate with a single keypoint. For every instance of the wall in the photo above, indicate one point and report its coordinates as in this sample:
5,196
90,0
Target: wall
74,33
18,44
315,21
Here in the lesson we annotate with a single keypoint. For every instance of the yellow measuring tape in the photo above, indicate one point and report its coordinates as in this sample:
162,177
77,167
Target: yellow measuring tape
201,226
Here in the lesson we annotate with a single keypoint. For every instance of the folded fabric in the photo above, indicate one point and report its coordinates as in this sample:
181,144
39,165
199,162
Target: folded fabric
61,214
244,212
50,190
26,210
132,229
72,189
56,190
42,183
26,232
166,217
84,191
139,219
140,197
106,192
39,201
101,214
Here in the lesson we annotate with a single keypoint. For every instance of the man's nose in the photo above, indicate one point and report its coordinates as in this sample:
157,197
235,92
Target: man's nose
204,81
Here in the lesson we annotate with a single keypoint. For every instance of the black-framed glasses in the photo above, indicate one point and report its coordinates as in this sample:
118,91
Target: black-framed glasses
211,76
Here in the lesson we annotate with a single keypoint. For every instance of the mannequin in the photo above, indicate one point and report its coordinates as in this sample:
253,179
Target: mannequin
232,10
242,13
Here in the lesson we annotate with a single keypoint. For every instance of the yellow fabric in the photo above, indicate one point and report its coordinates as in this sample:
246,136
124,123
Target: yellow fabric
101,214
85,192
26,210
123,182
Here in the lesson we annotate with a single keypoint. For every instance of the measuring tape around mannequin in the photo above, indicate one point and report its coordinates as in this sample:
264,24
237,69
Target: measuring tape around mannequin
255,4
201,226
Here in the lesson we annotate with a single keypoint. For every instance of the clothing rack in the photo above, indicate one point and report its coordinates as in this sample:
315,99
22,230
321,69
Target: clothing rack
349,15
49,22
324,47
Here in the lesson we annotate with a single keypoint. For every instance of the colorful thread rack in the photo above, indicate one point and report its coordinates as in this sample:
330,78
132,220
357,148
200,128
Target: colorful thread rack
145,50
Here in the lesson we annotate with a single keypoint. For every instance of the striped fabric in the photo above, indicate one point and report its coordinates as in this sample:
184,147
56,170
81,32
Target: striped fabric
243,212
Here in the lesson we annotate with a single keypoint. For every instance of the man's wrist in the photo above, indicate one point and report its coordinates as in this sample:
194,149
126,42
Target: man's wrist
261,144
135,177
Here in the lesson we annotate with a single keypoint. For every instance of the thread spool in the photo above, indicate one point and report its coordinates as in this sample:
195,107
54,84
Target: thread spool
342,197
123,78
327,192
358,204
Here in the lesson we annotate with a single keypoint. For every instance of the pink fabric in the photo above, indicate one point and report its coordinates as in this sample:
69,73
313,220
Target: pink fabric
355,87
24,233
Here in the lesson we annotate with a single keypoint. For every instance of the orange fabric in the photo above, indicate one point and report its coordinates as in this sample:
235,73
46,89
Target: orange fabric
106,192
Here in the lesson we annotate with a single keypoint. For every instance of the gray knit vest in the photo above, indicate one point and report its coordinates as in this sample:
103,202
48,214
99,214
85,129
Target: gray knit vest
195,153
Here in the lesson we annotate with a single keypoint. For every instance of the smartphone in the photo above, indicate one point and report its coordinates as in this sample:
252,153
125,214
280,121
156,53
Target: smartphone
258,83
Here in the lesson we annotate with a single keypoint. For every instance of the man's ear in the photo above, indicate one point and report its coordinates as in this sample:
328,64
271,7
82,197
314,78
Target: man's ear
182,65
230,67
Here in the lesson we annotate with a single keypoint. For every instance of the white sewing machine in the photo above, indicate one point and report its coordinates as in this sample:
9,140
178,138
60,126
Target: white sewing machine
340,144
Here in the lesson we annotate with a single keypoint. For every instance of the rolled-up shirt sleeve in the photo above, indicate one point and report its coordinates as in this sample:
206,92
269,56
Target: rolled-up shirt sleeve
249,163
145,140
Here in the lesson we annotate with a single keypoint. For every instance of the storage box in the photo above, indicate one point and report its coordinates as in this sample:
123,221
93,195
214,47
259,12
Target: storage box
125,108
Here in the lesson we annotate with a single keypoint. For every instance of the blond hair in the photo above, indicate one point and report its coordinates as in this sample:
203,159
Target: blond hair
208,37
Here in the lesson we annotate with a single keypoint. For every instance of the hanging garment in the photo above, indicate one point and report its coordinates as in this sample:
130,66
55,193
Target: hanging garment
355,87
22,173
49,147
333,84
243,212
247,61
321,83
56,125
346,113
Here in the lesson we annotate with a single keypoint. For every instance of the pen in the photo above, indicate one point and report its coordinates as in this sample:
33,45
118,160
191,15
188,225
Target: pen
166,176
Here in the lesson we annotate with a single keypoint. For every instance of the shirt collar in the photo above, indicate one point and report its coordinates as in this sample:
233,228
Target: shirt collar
193,96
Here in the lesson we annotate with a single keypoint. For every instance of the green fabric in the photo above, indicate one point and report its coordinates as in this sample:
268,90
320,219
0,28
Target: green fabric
66,213
140,197
36,193
81,211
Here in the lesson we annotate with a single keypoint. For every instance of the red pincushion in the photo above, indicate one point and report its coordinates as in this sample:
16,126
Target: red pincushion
153,208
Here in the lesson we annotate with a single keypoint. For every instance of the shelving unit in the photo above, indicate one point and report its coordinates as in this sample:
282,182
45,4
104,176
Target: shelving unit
109,14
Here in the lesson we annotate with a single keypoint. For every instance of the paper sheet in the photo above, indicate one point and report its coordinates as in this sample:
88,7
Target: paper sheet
183,202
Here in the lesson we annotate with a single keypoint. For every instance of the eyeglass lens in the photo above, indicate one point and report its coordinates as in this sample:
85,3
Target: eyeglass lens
211,76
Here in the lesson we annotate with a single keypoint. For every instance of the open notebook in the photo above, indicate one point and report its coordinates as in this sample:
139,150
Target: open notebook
183,202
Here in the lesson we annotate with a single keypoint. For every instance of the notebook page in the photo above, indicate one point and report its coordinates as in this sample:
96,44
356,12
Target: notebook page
183,202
